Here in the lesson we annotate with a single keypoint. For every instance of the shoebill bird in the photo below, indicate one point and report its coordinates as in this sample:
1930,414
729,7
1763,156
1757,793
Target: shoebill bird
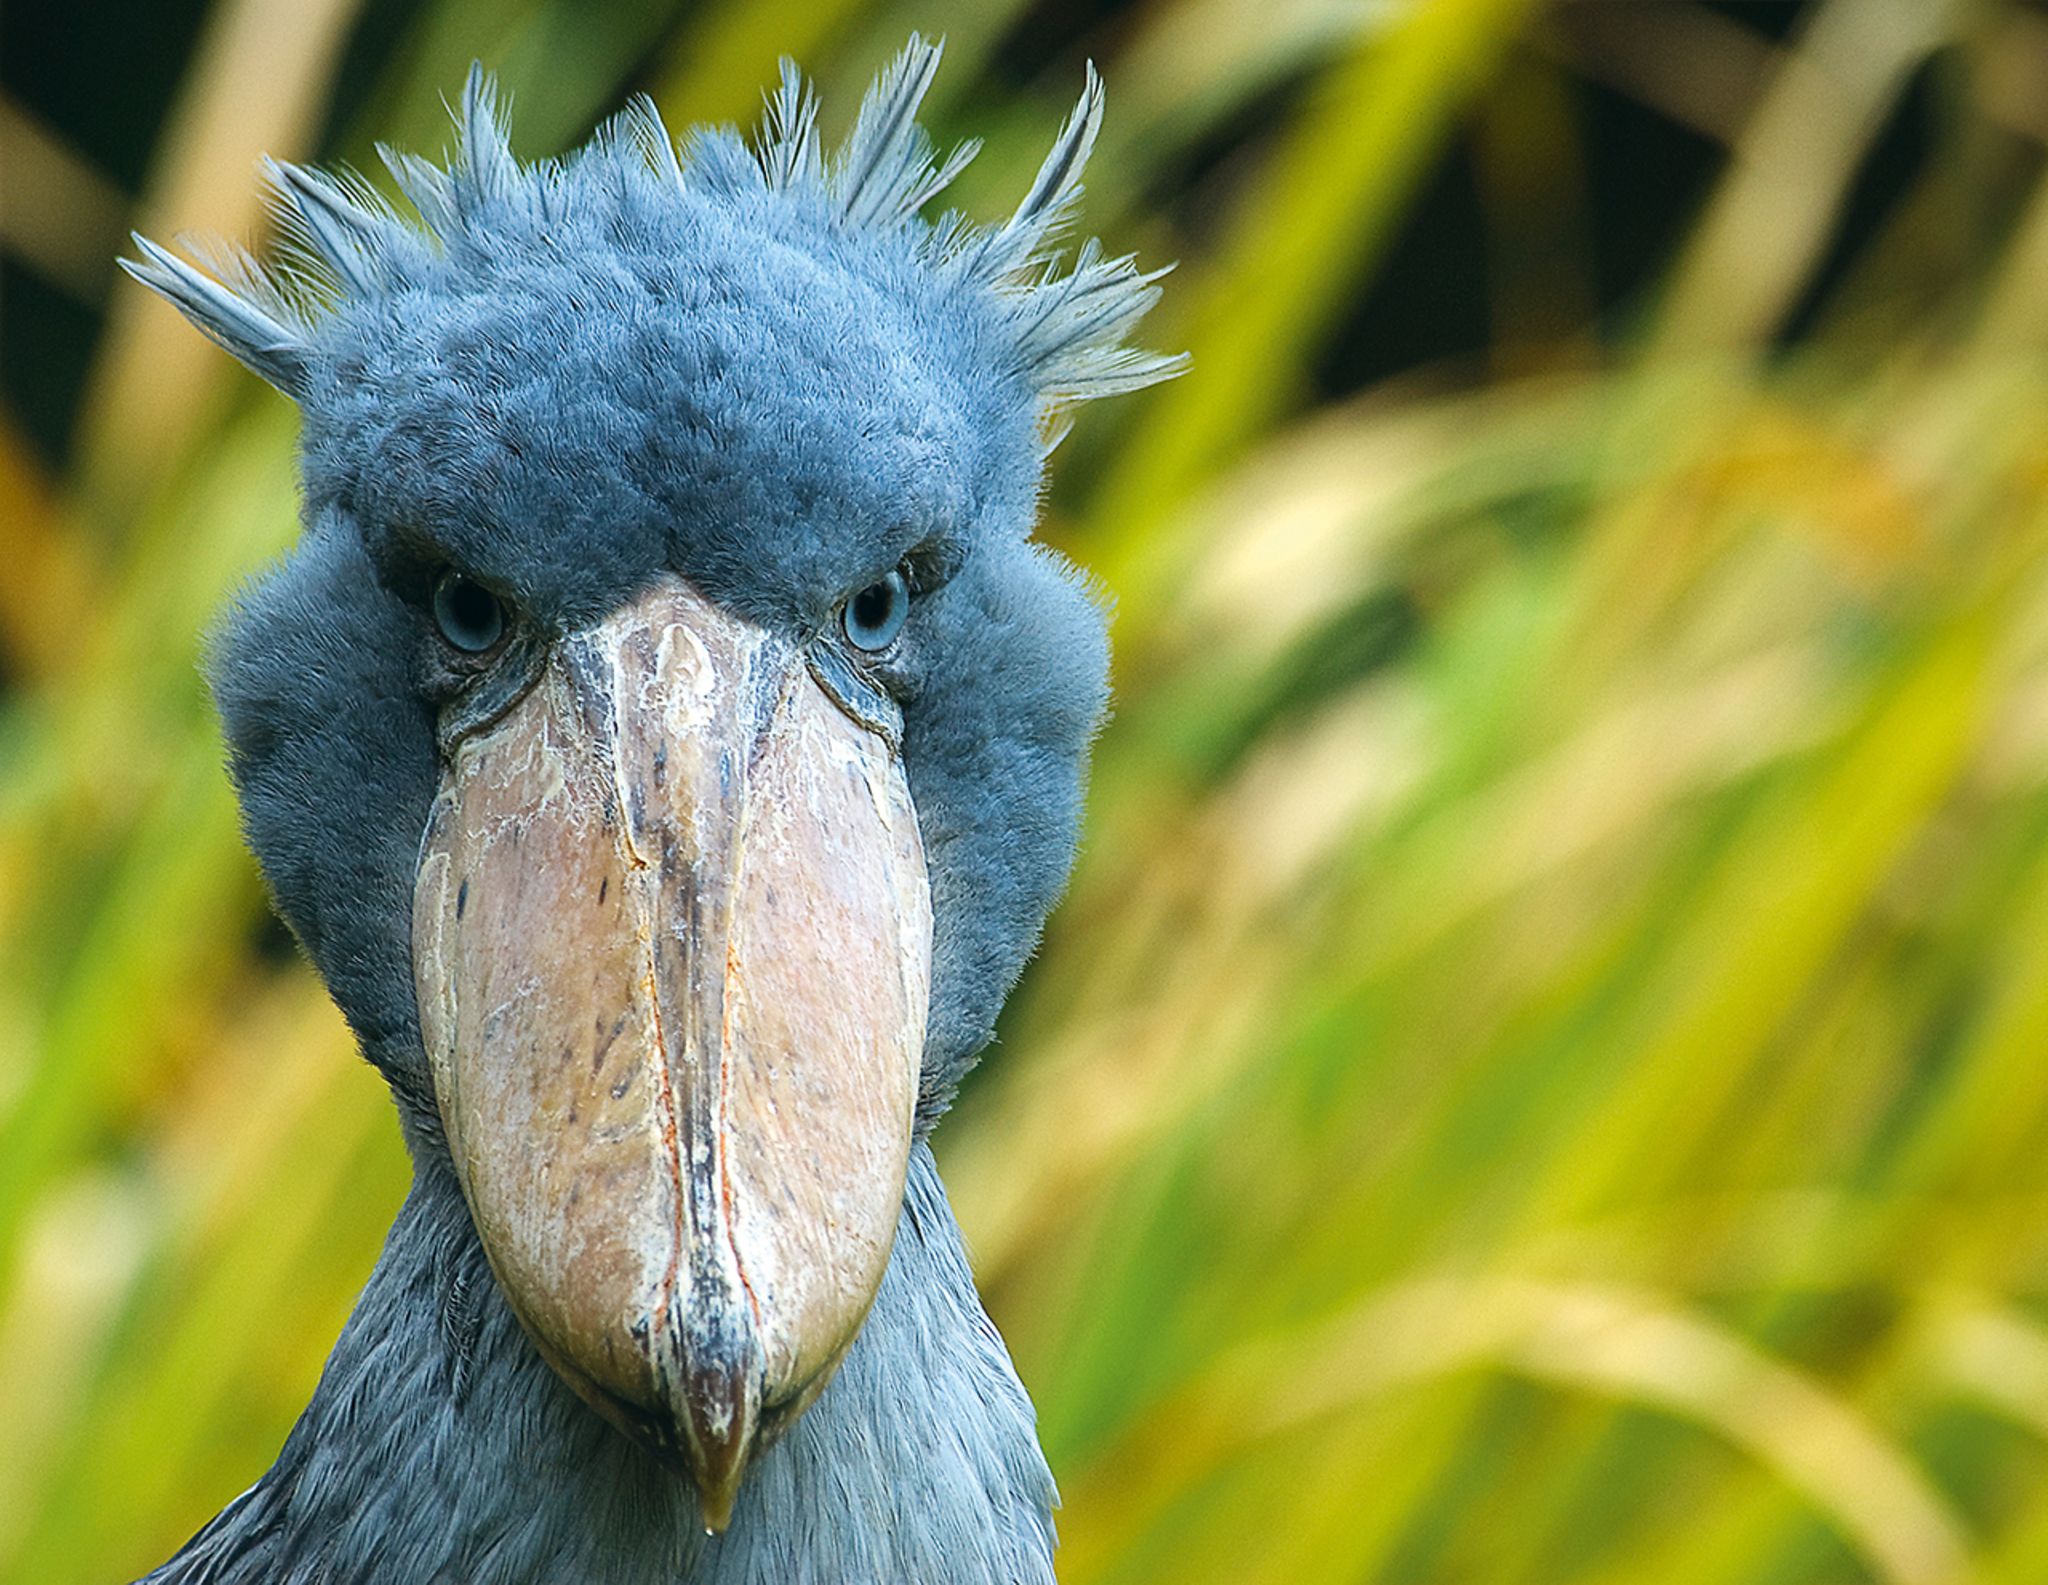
666,740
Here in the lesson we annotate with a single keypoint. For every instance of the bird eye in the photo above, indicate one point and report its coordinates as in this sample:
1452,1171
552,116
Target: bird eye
875,616
470,617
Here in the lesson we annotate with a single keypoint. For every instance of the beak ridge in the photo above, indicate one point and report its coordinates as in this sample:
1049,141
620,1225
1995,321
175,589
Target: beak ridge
672,939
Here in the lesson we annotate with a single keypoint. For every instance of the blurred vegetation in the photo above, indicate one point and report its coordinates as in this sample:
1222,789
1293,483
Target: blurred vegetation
1543,1074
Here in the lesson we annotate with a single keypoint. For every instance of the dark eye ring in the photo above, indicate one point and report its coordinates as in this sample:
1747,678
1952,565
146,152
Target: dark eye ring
872,618
470,617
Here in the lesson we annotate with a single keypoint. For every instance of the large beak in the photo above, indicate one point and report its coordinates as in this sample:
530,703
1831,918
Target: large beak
672,943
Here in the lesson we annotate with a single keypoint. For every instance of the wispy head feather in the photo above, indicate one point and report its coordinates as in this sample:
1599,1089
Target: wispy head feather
341,237
788,149
250,316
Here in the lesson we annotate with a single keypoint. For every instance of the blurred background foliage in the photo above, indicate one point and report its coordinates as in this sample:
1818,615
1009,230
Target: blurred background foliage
1543,1074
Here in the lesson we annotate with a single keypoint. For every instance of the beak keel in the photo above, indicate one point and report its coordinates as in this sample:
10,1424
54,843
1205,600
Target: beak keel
672,946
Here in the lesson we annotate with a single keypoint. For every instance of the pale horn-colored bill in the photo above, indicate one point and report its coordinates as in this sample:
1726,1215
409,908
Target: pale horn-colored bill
672,944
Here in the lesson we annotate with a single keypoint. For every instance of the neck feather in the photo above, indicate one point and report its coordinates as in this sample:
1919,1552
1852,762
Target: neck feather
439,1447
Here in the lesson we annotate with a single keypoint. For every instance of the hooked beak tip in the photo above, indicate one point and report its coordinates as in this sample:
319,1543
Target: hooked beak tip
721,1417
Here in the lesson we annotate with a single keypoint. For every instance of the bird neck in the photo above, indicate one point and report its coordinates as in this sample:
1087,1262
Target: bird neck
440,1447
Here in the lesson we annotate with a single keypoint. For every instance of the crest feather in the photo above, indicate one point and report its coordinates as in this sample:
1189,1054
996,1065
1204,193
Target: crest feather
1055,192
269,344
788,147
641,126
429,189
484,167
341,223
1068,327
883,174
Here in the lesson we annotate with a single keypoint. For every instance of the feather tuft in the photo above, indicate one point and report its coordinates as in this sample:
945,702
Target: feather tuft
788,146
342,224
884,173
1025,238
1068,326
641,125
254,323
484,167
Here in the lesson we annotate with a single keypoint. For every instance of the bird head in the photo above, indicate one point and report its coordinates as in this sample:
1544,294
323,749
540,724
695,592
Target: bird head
665,738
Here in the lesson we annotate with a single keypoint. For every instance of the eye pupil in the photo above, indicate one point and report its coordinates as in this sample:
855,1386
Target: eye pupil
875,616
469,616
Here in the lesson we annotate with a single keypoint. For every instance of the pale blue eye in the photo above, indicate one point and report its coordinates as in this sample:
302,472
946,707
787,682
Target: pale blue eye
875,616
470,617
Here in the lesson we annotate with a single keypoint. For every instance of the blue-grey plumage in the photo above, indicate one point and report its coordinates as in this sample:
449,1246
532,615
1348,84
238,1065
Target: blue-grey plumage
440,1449
752,382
